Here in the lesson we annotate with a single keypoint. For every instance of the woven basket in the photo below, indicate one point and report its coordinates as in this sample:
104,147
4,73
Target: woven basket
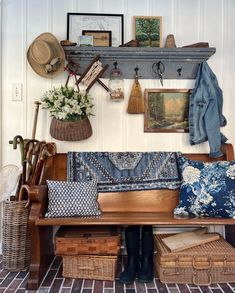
99,240
213,262
71,130
90,267
15,236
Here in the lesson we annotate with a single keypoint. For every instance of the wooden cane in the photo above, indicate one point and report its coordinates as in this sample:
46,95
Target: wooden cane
29,146
37,103
46,150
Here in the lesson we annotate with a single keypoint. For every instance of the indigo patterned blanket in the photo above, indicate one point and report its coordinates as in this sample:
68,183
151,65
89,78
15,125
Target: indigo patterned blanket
125,171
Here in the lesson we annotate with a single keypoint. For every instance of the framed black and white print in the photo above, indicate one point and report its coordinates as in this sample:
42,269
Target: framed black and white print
79,22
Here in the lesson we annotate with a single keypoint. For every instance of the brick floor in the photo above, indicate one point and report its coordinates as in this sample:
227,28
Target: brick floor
54,282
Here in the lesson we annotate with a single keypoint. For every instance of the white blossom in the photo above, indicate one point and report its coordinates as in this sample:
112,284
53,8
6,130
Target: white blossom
231,172
65,103
191,174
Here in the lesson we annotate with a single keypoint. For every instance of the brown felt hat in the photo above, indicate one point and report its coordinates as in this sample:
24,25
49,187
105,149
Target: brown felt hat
46,55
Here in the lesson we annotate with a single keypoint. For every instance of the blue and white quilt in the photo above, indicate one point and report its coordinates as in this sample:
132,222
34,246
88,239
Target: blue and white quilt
125,171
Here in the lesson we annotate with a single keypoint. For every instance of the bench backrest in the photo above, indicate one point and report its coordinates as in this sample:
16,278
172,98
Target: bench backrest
164,200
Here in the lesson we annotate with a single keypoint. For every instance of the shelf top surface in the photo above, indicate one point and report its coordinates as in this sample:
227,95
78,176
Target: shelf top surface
138,52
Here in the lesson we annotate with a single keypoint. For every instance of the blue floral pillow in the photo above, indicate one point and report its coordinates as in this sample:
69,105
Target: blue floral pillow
207,189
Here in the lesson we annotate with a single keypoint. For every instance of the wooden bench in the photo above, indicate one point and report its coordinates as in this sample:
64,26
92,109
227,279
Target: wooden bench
137,207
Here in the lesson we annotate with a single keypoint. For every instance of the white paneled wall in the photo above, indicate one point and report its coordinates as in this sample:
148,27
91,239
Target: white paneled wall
0,80
190,21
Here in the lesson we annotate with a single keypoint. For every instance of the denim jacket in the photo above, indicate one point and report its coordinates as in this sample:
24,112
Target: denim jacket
205,111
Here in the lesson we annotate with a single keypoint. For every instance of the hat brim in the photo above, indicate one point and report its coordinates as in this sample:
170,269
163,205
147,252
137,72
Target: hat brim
58,52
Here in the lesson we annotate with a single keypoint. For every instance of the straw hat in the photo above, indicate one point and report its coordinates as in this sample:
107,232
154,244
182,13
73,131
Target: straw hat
46,55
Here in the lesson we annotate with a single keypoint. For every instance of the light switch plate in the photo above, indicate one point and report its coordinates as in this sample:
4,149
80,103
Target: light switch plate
17,92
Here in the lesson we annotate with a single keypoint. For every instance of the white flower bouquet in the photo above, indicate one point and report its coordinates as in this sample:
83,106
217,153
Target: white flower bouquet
65,103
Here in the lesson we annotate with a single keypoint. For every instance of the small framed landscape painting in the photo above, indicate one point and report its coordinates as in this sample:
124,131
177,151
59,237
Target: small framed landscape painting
100,38
166,110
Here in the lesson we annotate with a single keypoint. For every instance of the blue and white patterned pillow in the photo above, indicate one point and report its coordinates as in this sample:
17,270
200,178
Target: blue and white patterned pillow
207,189
68,199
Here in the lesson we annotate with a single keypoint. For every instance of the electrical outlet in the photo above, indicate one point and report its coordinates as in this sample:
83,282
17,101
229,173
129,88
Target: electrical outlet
17,92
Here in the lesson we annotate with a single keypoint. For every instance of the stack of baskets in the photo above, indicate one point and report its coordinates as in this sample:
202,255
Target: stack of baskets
213,262
89,252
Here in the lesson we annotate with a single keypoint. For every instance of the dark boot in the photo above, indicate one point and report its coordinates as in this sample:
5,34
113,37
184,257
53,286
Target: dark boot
146,268
132,235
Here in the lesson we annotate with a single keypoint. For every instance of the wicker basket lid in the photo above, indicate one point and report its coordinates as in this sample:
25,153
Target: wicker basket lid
218,251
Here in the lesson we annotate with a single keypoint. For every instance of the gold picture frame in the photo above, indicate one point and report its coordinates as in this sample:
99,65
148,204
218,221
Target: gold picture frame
148,31
166,110
100,38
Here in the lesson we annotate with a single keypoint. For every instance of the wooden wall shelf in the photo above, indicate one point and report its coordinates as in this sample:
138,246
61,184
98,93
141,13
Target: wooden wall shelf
128,58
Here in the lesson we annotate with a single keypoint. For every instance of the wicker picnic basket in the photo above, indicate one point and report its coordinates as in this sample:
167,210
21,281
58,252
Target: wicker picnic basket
204,264
92,240
95,267
16,239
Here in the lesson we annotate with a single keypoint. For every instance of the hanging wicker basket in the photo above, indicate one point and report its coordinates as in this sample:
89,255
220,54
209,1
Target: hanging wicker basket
71,130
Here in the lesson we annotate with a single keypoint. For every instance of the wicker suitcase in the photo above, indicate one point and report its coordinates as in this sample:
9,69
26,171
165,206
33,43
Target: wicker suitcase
95,267
92,240
212,262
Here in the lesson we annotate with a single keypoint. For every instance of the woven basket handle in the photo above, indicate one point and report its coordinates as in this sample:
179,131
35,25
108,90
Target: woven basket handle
175,273
22,193
226,270
88,268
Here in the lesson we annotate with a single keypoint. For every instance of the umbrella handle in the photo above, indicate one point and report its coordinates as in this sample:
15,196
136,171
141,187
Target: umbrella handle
21,194
19,139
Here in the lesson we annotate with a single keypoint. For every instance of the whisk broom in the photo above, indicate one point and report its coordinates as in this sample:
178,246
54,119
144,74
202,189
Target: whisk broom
136,100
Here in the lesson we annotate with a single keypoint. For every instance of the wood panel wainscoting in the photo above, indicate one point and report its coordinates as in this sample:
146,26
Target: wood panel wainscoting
117,209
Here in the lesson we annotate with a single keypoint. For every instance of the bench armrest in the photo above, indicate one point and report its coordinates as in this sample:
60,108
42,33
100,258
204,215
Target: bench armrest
37,197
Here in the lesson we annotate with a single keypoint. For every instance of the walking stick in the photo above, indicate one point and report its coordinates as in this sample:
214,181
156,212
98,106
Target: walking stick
30,146
37,103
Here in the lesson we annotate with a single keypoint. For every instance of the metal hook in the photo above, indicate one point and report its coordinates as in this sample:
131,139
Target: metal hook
179,70
136,70
159,68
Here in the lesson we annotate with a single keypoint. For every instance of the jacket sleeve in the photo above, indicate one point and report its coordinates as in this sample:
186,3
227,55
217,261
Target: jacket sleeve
212,126
214,118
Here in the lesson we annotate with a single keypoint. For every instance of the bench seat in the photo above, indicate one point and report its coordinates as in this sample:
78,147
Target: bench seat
134,218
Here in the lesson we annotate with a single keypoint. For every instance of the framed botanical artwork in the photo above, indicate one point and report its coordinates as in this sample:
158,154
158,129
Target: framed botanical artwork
79,22
148,31
166,110
100,38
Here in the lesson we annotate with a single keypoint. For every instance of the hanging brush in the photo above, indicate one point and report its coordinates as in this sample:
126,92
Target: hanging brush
136,100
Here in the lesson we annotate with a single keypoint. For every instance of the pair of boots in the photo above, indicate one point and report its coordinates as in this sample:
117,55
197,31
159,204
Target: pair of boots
143,269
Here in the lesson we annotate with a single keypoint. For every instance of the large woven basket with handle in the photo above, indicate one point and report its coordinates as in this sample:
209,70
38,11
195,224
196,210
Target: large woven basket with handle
212,262
97,267
16,239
